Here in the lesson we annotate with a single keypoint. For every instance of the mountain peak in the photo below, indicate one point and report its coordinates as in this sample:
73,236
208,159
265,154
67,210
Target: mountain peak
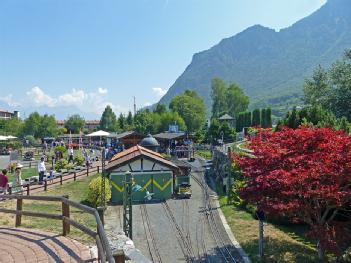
271,66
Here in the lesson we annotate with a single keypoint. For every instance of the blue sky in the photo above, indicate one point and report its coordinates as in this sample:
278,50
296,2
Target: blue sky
77,56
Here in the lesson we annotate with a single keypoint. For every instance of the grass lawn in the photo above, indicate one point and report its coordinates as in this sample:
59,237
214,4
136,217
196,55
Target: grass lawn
26,172
207,154
77,191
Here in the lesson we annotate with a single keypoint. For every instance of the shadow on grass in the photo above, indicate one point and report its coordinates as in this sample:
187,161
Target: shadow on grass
281,251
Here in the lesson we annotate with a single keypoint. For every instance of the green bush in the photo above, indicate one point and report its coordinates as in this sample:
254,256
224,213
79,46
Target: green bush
61,164
94,191
79,160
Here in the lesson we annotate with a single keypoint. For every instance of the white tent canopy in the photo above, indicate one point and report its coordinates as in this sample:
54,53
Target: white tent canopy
99,134
11,137
3,138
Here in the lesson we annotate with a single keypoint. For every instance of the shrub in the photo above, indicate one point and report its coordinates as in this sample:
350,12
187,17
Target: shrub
61,164
94,191
61,149
79,160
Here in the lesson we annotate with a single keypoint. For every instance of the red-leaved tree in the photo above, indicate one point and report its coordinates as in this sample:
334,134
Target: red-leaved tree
304,174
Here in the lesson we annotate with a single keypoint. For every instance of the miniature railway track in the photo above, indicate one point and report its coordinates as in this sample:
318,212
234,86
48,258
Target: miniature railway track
149,234
200,239
182,239
186,223
212,221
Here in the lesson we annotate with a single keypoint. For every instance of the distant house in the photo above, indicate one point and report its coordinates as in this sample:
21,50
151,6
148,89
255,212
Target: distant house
127,139
6,115
90,125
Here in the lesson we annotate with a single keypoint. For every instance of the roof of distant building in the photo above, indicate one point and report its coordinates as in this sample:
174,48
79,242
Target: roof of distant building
169,135
149,141
124,134
133,153
226,117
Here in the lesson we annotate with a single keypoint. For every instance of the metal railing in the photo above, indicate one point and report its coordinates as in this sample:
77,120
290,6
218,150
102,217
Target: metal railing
102,243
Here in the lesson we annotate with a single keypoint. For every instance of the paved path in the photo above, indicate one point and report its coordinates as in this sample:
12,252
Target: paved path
23,245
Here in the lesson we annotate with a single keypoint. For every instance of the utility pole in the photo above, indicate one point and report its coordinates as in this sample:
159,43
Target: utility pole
134,106
127,205
103,179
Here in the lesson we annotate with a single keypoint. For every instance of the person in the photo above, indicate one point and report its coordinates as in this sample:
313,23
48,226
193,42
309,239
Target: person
18,177
51,175
87,161
41,169
70,155
4,182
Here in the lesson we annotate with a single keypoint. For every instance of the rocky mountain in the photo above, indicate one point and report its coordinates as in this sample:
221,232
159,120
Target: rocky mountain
271,66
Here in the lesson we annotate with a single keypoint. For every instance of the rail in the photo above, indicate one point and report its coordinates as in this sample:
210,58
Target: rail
102,243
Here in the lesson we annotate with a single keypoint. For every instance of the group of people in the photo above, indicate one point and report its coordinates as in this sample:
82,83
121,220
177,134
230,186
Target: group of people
4,180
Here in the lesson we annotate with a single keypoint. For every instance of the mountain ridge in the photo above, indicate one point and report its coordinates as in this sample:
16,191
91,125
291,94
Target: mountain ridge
269,64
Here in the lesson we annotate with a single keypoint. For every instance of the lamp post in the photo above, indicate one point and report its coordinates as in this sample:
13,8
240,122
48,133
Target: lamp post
129,188
222,135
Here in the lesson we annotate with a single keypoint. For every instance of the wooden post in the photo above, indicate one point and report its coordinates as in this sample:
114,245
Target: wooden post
10,190
28,189
46,184
87,170
65,213
19,208
74,176
60,179
30,164
119,256
98,169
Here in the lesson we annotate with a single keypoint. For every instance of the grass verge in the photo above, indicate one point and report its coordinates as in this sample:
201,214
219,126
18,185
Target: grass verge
283,243
77,191
206,154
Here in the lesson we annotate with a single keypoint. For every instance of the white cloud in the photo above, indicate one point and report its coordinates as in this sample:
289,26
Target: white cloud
159,92
102,91
40,98
147,104
87,102
10,101
76,97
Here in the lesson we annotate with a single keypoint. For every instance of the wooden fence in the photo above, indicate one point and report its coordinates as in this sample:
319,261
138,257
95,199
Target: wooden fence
70,176
102,243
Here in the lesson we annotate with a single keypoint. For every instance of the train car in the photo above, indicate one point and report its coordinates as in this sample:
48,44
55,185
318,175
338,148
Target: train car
183,190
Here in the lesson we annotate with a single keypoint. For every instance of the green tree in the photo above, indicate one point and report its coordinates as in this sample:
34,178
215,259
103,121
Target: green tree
256,117
168,118
130,120
268,118
40,126
236,100
317,88
219,103
263,118
227,99
147,122
75,123
191,108
121,122
160,108
331,88
108,121
240,123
